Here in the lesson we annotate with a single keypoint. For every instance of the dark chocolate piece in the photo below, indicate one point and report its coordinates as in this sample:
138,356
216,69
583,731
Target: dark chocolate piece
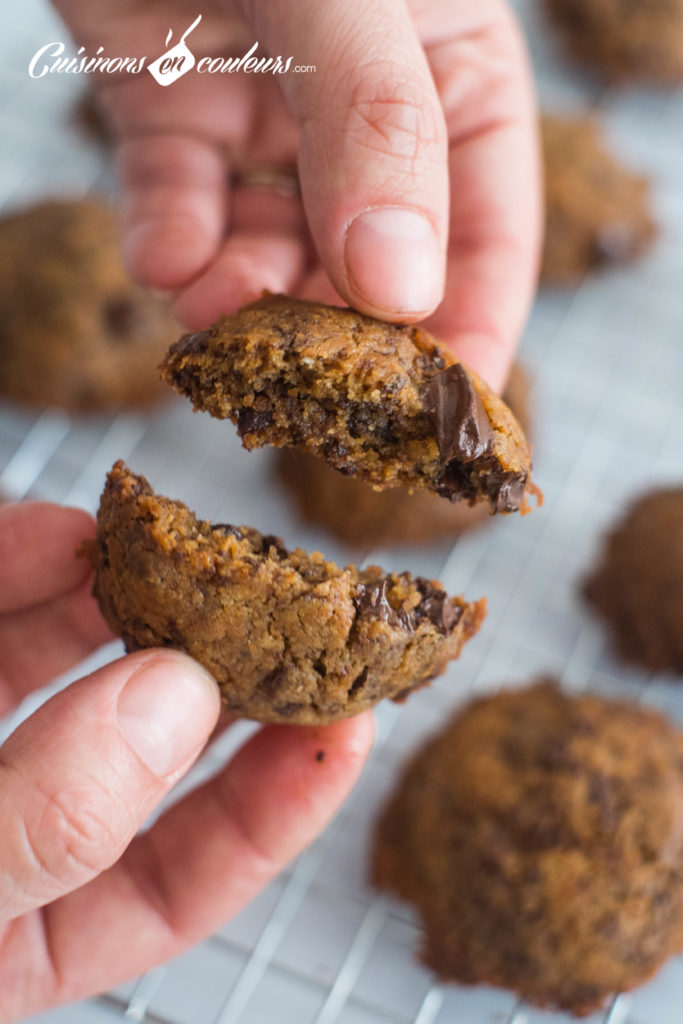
371,599
462,427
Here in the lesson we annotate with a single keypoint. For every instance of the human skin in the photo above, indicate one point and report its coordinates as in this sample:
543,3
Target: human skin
415,141
84,902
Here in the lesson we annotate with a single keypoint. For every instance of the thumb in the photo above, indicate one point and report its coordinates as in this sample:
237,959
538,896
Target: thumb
373,151
80,776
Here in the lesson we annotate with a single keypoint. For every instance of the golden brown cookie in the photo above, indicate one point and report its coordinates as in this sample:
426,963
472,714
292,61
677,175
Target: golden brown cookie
541,838
361,516
384,403
625,40
638,585
288,636
75,331
597,210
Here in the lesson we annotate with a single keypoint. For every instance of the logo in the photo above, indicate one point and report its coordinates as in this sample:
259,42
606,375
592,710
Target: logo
177,61
167,69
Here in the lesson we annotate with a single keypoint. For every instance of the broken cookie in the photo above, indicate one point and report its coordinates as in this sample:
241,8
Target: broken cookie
381,402
288,636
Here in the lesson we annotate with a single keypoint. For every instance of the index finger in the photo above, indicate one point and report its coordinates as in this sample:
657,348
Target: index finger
38,543
495,222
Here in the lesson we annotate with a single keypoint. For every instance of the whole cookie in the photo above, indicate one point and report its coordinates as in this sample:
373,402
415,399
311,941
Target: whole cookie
638,585
384,403
75,331
361,516
597,210
541,838
623,39
288,636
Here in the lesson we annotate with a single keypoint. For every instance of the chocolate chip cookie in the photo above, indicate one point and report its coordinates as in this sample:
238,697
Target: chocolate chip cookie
638,585
384,403
541,838
288,636
361,516
597,210
623,39
75,332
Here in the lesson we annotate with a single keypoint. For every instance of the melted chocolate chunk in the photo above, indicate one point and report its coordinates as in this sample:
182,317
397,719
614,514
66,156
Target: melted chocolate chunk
371,599
192,344
461,424
250,421
437,607
506,490
269,541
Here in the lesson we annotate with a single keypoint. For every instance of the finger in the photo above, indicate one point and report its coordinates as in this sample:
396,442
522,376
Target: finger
38,544
246,265
40,643
373,149
82,774
174,212
208,856
495,194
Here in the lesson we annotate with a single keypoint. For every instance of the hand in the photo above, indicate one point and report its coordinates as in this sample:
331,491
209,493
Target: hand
83,904
415,105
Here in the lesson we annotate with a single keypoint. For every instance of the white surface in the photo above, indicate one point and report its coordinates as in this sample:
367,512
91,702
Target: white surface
319,945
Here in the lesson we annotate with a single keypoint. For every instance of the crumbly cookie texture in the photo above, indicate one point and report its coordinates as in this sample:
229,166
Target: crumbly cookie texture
288,636
597,209
76,332
637,587
623,40
360,516
541,838
381,402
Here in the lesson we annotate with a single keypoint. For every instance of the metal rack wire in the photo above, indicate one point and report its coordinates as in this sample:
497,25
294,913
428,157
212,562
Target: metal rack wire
319,946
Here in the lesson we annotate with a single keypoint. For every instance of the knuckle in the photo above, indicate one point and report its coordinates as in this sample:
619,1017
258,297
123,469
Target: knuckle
71,834
393,113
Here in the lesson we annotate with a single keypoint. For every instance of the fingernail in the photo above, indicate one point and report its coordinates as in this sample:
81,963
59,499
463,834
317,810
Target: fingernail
166,711
394,261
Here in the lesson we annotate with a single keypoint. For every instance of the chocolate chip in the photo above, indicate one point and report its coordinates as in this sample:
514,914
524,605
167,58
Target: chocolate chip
269,541
371,600
286,710
251,421
614,242
437,606
192,344
461,424
228,529
122,318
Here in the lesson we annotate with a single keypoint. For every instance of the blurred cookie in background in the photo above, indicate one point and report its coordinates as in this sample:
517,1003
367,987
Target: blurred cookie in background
597,209
362,517
637,587
630,40
540,836
75,331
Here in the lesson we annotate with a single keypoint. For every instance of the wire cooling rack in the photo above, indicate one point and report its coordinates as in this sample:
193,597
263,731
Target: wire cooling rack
318,946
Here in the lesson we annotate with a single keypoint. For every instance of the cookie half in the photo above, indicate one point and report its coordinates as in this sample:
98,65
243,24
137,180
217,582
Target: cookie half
541,838
381,402
288,636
